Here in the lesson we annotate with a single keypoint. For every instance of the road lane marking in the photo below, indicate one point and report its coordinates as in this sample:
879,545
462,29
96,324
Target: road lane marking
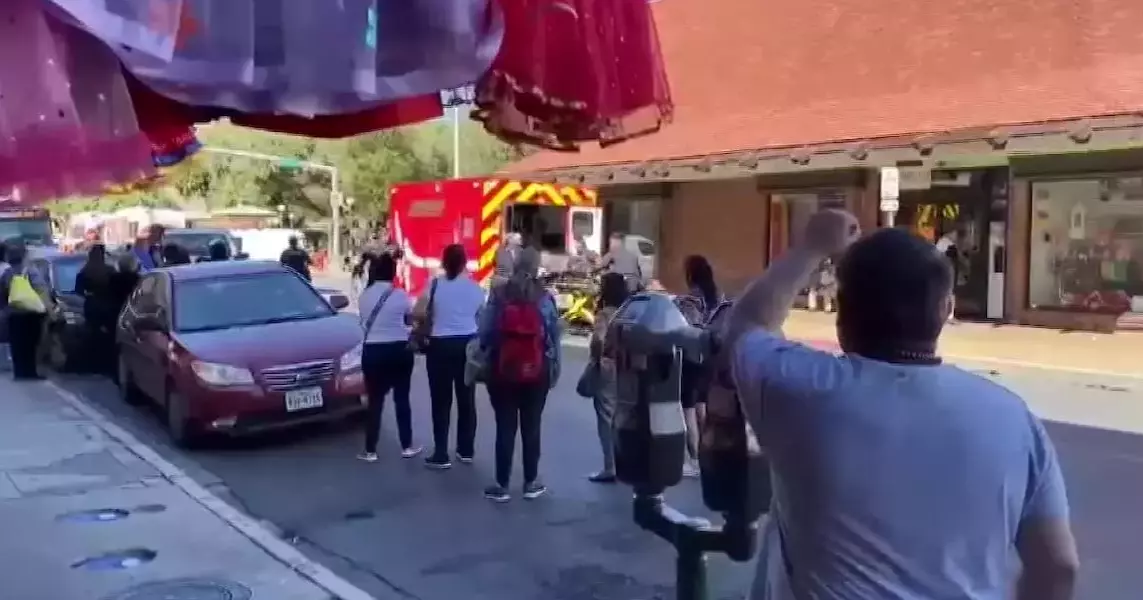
257,533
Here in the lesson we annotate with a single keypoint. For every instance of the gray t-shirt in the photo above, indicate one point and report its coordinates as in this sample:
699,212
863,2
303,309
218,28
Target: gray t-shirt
624,262
891,482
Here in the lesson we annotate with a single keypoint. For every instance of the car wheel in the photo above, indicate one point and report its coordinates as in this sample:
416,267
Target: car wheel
128,391
182,430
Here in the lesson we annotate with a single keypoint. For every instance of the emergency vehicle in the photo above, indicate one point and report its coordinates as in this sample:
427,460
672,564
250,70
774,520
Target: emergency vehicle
426,217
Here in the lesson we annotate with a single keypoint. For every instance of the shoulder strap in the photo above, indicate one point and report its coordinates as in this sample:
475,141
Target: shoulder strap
432,296
377,309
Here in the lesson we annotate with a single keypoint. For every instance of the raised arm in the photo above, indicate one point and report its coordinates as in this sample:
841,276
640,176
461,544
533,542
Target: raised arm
767,300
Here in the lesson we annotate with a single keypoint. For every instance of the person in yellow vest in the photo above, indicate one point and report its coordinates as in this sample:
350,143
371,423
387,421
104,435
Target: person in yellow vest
25,300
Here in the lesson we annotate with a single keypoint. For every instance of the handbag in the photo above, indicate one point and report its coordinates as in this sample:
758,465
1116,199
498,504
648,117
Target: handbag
377,309
419,337
590,380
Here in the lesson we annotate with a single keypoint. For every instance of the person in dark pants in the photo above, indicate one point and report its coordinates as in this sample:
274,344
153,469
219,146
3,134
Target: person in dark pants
296,258
520,335
25,325
386,359
93,283
450,308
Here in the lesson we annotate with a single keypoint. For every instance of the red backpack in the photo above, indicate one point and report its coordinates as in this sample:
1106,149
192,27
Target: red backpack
520,356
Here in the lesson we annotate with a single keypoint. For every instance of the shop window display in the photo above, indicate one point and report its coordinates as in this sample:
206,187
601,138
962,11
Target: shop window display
1086,249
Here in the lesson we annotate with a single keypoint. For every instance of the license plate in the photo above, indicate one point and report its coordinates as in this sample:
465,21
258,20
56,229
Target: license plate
303,399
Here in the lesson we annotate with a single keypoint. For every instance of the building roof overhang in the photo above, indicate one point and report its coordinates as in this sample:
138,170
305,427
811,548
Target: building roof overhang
969,148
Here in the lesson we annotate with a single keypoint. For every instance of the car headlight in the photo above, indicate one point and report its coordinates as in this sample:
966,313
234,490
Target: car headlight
351,361
222,375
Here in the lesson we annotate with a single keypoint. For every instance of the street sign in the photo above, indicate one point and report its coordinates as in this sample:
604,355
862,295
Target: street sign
890,188
290,163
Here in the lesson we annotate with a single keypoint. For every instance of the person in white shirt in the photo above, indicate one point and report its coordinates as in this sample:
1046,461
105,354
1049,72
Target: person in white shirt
386,358
451,306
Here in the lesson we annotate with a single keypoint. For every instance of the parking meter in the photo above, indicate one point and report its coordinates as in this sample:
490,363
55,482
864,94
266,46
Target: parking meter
652,338
650,430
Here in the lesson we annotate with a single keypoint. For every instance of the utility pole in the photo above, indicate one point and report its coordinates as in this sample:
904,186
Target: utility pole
335,196
456,100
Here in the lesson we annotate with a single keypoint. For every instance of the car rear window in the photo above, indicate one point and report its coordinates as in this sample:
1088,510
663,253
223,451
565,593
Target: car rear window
245,300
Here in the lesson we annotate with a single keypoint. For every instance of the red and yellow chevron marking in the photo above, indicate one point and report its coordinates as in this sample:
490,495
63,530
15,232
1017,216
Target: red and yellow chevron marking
499,192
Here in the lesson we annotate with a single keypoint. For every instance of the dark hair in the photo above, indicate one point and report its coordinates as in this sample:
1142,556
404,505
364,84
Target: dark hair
892,289
382,268
453,260
613,290
174,254
700,275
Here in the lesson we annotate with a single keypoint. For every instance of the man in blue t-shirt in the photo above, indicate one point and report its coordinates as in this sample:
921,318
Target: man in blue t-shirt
896,477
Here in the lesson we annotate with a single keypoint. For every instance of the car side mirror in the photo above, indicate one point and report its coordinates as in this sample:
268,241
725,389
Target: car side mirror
150,323
338,301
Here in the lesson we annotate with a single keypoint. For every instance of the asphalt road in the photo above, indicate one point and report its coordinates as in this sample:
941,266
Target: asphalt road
400,531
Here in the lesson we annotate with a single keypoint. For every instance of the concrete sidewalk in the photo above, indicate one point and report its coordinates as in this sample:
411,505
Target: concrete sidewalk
87,513
1084,352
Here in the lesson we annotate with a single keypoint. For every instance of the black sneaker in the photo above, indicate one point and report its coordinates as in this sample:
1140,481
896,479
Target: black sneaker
534,490
497,493
464,460
438,463
603,477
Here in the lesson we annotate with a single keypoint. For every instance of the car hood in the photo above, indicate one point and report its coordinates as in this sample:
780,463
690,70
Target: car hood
261,346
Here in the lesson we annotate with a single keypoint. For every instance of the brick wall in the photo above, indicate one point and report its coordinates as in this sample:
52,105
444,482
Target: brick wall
722,220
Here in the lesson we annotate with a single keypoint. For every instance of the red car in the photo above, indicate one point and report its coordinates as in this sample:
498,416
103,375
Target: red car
237,347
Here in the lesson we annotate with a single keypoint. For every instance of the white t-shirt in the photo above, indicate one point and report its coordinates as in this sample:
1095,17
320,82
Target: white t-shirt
455,306
946,242
390,324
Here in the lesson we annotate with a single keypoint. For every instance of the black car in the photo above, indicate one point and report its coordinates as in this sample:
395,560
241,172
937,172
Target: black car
66,333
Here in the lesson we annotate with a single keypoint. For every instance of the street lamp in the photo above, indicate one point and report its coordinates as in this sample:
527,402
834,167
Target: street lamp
455,99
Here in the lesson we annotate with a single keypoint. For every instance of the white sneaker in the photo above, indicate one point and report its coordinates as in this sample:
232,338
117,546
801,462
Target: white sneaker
690,469
367,456
411,452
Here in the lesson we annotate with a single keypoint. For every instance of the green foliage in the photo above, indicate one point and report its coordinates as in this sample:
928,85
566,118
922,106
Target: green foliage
367,165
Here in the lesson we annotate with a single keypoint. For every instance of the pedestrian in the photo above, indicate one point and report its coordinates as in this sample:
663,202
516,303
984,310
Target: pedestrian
823,288
93,284
520,336
613,293
949,246
450,312
147,248
697,304
506,257
296,258
386,359
218,251
895,475
25,299
5,356
620,259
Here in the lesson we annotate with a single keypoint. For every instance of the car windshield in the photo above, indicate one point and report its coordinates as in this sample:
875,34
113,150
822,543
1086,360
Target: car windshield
34,232
197,244
64,272
245,300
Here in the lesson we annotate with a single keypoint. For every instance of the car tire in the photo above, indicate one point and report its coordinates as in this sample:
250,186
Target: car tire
128,391
182,430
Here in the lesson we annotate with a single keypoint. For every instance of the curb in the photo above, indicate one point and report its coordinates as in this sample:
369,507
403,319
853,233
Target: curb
263,537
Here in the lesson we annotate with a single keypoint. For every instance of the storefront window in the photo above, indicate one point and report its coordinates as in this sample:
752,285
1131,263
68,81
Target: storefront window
790,212
1086,250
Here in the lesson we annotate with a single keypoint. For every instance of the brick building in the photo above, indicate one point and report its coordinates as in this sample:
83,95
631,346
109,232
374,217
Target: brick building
1018,123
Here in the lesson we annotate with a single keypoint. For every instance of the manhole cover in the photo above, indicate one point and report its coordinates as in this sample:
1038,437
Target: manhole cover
117,560
185,589
98,515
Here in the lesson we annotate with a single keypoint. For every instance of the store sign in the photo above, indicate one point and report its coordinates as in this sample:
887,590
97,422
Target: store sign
890,188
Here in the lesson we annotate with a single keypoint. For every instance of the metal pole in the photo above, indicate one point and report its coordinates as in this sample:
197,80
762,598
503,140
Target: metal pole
456,142
336,201
890,218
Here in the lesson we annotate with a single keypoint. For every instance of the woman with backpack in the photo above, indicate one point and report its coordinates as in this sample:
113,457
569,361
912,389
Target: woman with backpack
520,336
447,316
700,301
613,292
386,358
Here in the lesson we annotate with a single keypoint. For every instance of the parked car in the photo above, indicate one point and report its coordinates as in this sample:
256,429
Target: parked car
197,241
65,328
237,347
